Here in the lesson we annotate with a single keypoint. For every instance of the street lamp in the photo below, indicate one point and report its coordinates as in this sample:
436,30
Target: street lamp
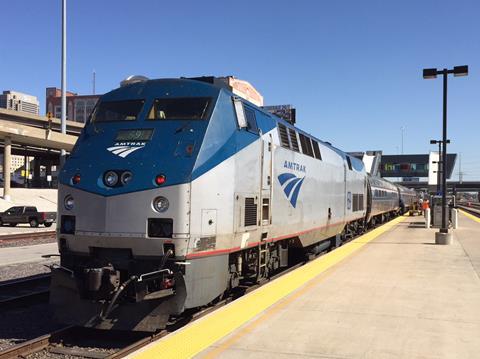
434,142
63,124
443,237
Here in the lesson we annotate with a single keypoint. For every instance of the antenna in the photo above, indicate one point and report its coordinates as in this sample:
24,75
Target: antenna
460,173
93,81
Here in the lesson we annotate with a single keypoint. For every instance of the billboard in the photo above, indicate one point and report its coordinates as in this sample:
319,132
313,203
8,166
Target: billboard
412,165
287,112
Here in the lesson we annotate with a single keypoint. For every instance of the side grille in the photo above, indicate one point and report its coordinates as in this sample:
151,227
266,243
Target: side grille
250,212
283,135
293,138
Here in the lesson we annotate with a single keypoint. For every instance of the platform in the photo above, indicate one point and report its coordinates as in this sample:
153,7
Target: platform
26,254
391,293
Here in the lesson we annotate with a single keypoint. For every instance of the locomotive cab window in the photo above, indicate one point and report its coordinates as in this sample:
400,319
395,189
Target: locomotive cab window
349,162
108,111
251,120
187,108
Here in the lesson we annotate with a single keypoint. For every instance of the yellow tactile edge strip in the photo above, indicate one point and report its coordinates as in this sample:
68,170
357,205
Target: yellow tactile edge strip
196,337
471,216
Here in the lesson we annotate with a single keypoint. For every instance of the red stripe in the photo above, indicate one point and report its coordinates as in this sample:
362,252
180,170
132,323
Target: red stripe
217,252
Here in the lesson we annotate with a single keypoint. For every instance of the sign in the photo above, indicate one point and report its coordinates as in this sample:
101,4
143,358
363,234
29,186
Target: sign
287,112
433,168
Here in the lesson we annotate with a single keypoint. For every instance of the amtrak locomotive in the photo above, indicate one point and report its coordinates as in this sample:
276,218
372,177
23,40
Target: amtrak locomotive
178,191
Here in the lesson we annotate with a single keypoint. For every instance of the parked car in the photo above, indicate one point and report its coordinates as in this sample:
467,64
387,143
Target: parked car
24,214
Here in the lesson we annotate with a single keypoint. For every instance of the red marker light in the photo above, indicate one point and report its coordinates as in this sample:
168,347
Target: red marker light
160,179
76,179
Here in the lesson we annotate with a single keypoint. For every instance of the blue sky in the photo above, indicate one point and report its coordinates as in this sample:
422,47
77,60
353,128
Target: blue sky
351,68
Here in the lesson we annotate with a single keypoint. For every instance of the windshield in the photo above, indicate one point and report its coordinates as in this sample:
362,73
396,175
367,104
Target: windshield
188,108
117,111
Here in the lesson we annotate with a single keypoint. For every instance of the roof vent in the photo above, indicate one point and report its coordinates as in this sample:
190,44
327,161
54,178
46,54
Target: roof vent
132,79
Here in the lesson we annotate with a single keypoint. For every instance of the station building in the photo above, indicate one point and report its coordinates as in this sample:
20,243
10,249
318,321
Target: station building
79,107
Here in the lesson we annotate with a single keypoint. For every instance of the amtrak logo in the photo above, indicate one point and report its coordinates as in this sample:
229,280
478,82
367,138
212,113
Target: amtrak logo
291,186
123,149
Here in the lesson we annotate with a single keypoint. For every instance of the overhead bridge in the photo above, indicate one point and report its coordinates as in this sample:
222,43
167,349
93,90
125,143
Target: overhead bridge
33,135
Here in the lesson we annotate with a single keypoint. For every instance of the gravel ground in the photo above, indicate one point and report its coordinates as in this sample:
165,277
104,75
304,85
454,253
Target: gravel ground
22,270
24,324
44,354
25,242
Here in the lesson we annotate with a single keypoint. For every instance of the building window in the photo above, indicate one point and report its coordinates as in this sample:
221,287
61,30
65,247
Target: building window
58,111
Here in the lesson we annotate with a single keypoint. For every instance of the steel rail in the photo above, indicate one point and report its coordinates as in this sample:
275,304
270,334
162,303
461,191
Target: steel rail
29,235
17,293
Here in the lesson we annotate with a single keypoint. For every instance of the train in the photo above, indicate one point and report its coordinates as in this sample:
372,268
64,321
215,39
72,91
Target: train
179,191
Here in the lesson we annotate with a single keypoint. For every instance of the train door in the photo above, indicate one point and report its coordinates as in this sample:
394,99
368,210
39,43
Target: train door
266,182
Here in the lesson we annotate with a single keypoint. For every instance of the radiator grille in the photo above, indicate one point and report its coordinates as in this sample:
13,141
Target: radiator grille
283,135
293,139
250,212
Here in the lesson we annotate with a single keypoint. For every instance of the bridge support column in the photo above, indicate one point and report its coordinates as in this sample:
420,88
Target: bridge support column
36,181
7,161
48,173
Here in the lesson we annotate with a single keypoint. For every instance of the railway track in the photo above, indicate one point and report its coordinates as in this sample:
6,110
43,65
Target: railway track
80,342
17,293
472,209
75,341
29,235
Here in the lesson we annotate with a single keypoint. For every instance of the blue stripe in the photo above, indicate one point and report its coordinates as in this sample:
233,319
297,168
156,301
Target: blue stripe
284,177
296,191
288,188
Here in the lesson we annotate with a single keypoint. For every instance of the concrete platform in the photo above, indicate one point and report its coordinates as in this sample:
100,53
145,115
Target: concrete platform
385,295
25,254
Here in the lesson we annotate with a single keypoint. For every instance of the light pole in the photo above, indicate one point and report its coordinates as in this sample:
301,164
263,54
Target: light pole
403,130
64,79
440,160
443,237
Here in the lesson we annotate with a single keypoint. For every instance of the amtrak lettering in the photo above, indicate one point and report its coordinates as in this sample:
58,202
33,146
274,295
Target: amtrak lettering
294,166
123,149
130,143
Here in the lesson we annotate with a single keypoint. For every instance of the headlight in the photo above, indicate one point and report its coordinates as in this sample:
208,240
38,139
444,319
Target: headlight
160,179
160,204
76,179
68,202
110,178
126,177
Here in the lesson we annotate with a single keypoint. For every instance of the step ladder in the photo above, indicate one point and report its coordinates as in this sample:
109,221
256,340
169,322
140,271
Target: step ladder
262,259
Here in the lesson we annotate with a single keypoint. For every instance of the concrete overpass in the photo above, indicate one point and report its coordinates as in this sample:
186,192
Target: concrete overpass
35,132
464,186
23,118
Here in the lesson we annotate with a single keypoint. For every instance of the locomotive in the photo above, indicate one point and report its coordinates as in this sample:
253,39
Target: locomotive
179,190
